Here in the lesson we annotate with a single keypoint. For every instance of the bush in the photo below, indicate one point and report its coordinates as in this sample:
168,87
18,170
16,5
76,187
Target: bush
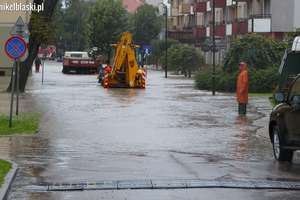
257,51
159,48
260,81
184,58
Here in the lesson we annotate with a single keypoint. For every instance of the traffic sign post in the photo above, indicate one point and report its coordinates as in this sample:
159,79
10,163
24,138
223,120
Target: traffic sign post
15,48
43,62
12,95
18,86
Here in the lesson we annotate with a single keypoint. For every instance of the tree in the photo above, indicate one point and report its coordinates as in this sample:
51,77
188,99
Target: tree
256,50
71,25
159,48
184,58
289,37
108,20
40,28
147,24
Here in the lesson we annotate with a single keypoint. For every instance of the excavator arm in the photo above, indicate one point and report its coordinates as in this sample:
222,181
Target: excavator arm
126,72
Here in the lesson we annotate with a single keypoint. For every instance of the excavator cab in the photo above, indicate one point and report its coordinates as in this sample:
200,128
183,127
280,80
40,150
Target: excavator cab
126,72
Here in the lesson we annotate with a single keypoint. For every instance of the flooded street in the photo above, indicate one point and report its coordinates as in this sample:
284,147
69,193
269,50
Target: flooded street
168,131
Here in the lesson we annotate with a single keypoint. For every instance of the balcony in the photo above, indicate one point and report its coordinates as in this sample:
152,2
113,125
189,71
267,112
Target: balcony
199,32
231,2
220,30
174,12
243,27
200,7
220,3
240,27
184,9
184,36
260,24
229,28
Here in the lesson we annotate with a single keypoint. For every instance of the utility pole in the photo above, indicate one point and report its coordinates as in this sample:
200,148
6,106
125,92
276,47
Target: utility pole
166,42
214,48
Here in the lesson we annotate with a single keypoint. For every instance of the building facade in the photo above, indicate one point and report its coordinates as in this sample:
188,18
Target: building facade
7,21
132,5
191,20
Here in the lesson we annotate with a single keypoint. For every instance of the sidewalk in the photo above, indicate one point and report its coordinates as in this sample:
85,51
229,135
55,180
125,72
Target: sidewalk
4,82
6,186
4,97
25,100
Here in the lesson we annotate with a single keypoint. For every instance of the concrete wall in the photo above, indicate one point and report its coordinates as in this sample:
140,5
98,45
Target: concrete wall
7,20
297,14
283,15
255,7
5,62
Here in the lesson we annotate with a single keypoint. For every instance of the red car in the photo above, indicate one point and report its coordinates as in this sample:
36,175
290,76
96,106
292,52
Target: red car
79,62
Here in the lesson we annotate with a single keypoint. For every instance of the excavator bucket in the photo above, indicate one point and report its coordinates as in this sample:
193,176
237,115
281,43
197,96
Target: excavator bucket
126,72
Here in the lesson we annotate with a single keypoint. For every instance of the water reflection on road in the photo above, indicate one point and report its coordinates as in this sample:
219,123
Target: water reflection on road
168,130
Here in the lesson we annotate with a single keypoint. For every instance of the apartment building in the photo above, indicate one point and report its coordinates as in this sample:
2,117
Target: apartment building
7,21
191,20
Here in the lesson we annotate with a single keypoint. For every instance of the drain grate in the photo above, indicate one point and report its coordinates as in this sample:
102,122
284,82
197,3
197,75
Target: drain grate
166,184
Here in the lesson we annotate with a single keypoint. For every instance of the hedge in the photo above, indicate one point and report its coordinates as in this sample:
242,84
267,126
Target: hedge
260,81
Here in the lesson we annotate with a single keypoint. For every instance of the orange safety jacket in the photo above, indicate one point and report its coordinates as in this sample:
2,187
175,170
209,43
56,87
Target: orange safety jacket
107,69
242,85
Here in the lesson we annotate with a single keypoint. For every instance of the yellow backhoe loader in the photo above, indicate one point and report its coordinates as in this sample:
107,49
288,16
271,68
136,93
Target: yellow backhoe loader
125,72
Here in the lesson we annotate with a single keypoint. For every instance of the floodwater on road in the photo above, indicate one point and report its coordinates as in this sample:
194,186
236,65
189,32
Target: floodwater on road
167,131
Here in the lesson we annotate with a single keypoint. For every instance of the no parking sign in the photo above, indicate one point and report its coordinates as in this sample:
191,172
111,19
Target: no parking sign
15,47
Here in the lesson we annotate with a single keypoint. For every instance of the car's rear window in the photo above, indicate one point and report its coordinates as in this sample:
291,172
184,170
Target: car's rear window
296,88
76,55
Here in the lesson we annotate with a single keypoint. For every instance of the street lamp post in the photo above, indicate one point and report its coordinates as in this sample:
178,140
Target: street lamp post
214,48
165,7
166,41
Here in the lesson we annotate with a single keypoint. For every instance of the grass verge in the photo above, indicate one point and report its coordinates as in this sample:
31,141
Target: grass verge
27,123
260,94
4,169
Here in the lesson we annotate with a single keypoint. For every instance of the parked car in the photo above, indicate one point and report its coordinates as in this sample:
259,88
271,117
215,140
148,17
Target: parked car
79,62
284,125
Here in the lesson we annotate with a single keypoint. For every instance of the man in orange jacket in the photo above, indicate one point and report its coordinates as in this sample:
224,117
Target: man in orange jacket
242,88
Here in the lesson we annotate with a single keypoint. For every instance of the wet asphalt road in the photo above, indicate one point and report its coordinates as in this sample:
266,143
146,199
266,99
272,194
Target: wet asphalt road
167,131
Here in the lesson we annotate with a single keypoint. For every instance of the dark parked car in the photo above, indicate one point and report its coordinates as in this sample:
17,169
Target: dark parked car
284,127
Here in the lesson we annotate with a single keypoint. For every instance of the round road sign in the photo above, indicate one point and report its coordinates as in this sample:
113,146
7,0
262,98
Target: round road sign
15,47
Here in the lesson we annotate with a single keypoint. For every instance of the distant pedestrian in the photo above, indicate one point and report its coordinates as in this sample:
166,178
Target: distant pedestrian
242,88
100,73
38,63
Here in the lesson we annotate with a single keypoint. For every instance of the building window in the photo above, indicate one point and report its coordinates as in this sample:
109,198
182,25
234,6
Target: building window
200,19
219,15
242,10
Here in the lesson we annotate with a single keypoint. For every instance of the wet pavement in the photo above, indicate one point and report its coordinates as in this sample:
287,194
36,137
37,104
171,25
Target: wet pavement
168,131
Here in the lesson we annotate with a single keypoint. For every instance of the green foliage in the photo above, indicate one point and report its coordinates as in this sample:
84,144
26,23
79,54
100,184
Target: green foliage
24,124
257,51
41,29
147,24
264,80
159,47
184,58
4,169
260,81
71,25
108,19
289,37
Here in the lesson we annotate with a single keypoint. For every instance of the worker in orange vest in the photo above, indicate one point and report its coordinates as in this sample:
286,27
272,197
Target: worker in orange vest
242,88
108,68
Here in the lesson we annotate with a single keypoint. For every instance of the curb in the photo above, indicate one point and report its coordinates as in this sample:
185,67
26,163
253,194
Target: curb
5,188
